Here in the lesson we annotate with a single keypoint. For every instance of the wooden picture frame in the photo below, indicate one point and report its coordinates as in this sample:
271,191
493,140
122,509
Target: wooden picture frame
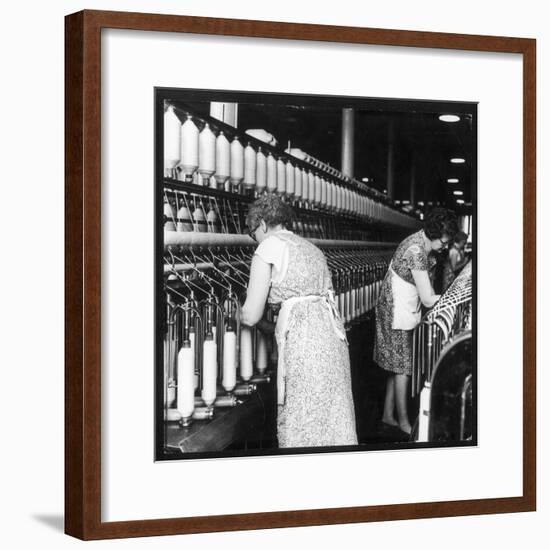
83,274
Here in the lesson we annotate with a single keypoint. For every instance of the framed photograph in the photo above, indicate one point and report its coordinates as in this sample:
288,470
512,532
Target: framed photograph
288,253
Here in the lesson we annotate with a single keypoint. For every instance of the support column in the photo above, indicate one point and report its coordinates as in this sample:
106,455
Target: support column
348,141
226,112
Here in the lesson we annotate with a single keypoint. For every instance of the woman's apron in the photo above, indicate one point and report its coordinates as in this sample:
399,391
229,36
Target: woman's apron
406,303
281,332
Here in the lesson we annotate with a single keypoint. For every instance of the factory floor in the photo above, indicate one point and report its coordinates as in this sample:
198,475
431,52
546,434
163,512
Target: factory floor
369,387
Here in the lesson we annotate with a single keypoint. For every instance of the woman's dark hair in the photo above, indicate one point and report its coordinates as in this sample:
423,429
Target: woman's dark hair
439,222
461,237
272,210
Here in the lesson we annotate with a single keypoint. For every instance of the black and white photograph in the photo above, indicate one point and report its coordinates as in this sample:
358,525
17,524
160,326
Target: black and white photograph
315,273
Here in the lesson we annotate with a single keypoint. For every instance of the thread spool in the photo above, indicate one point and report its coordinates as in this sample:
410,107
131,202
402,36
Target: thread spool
171,393
229,378
311,187
203,413
223,160
424,416
261,379
221,401
271,174
305,186
290,173
172,415
281,177
261,171
237,163
184,219
261,353
244,389
298,182
172,140
340,200
324,185
169,217
345,199
341,305
317,190
209,371
212,221
199,219
189,161
207,154
185,379
349,304
192,340
249,167
329,195
246,365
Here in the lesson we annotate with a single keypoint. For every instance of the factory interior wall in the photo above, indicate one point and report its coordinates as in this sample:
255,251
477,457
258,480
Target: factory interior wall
32,275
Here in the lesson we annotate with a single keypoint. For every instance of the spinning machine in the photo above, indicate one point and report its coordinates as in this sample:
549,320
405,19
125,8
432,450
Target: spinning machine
442,368
218,375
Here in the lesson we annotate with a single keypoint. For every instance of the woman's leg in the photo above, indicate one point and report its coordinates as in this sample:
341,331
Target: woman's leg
401,386
389,402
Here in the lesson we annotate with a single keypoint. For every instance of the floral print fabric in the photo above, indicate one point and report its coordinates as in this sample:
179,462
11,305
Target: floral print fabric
318,408
393,348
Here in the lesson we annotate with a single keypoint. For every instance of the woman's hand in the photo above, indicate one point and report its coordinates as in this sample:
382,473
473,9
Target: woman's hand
267,327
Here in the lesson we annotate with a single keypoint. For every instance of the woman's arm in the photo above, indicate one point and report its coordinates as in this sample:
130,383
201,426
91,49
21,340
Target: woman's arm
454,260
267,327
424,287
258,289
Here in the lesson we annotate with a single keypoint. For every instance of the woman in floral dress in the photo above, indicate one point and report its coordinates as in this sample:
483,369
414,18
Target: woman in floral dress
406,286
315,403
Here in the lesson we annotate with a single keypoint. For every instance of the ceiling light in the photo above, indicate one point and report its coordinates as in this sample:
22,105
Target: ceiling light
459,201
449,118
420,203
458,193
458,161
405,202
452,180
365,179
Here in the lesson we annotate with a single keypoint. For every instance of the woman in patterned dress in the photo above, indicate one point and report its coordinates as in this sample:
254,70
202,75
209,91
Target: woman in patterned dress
315,403
407,284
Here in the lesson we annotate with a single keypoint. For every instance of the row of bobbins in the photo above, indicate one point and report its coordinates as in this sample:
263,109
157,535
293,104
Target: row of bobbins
201,157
